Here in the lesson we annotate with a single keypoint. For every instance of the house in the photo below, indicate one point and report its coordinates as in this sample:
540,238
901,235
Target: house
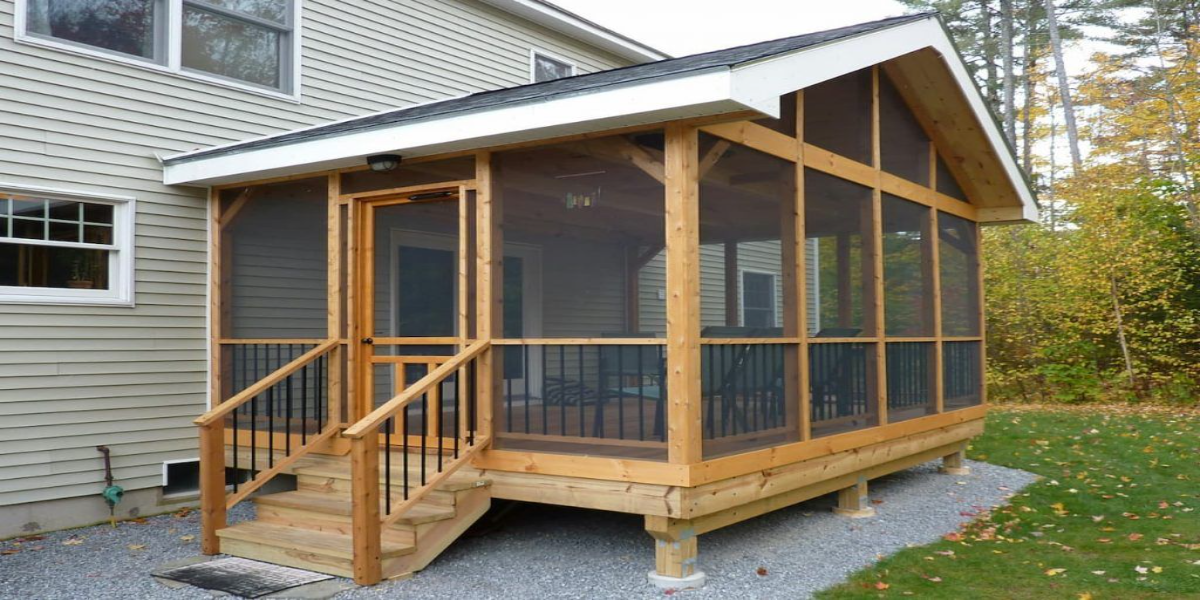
696,289
103,286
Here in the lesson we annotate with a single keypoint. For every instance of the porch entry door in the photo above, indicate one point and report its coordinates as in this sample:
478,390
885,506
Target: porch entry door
417,253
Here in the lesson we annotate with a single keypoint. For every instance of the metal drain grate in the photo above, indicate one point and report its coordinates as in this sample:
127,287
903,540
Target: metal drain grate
241,577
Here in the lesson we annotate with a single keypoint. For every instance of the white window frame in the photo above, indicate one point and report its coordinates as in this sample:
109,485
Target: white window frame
534,53
120,257
742,295
169,51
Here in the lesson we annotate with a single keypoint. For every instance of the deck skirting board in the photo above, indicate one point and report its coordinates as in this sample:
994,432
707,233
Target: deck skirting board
751,494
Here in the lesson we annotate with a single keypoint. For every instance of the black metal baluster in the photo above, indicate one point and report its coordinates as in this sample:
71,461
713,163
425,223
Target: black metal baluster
545,404
562,390
598,415
304,405
287,417
404,444
322,364
253,436
620,392
387,466
424,432
525,374
441,387
459,398
579,387
473,389
508,393
641,381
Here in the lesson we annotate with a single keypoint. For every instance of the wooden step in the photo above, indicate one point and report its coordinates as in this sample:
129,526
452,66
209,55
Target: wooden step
464,479
328,503
301,548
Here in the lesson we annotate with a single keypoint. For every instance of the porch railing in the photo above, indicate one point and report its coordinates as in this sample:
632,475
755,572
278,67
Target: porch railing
382,498
288,411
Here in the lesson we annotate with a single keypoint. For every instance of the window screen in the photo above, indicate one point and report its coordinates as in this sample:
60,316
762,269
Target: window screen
546,68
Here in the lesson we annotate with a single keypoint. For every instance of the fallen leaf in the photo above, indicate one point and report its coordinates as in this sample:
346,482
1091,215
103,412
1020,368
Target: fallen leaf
1141,569
762,571
1084,596
1053,572
879,585
1156,569
186,538
953,537
1099,572
1133,537
72,542
8,552
137,546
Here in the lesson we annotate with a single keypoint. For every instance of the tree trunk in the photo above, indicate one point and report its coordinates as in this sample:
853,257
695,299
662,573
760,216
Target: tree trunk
1116,301
989,55
1064,86
1006,50
1028,70
1180,161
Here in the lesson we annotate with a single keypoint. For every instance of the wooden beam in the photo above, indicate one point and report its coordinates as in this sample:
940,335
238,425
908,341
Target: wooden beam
489,284
368,543
799,244
212,487
878,296
714,155
756,136
683,289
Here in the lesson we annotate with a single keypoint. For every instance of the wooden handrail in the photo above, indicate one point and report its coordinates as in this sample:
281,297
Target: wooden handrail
264,384
377,417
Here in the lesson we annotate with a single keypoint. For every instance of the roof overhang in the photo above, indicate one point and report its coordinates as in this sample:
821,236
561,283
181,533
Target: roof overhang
563,21
753,86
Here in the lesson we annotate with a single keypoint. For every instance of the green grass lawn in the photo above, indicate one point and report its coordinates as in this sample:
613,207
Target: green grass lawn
1115,515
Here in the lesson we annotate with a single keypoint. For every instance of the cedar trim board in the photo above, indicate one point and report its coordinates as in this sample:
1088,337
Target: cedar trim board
745,78
662,473
789,484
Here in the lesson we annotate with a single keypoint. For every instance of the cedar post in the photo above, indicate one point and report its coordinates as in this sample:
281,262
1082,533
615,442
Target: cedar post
368,544
684,445
212,486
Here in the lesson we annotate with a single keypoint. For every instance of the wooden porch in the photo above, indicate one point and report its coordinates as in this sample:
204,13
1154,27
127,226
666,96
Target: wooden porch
697,321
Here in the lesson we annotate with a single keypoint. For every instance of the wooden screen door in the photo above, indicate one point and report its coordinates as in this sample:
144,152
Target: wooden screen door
417,271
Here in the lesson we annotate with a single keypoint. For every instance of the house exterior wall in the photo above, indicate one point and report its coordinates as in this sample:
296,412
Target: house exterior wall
133,378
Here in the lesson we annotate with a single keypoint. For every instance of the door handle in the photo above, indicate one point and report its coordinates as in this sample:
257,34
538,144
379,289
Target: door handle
369,341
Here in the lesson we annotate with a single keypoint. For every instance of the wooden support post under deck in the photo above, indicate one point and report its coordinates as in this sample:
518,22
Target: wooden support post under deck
684,444
676,548
368,543
854,502
954,464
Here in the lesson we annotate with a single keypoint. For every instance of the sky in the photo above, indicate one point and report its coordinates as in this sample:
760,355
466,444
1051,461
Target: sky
682,27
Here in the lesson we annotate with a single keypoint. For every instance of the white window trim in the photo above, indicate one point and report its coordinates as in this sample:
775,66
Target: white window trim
121,257
173,52
536,52
742,295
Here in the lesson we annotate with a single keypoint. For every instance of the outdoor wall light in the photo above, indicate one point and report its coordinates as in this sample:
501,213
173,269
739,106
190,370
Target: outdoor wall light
383,162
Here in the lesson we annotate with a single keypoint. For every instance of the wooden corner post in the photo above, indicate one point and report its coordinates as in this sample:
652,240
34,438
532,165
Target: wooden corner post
489,285
684,444
212,486
367,535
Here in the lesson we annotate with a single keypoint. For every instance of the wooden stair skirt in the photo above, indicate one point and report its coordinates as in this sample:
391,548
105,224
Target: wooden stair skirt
310,528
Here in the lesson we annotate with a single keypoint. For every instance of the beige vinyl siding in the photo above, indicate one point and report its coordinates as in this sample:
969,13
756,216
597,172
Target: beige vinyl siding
134,378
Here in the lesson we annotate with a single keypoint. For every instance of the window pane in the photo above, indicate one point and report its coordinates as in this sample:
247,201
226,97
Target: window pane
97,234
64,211
64,232
230,48
904,147
746,216
52,267
910,380
29,229
962,380
547,69
98,213
125,26
271,10
837,217
34,209
959,266
843,386
837,115
907,268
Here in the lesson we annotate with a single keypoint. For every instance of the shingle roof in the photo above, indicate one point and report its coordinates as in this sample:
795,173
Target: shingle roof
727,58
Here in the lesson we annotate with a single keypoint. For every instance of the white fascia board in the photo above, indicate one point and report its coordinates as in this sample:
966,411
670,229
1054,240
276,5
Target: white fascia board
761,83
579,28
694,95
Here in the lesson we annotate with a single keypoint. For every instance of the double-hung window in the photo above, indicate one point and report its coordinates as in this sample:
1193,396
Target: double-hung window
245,43
758,299
64,248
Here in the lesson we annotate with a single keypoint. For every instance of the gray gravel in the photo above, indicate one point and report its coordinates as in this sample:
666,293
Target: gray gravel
556,552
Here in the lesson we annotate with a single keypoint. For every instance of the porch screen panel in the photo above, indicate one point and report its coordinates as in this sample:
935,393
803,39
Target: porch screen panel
904,147
273,258
837,218
747,293
583,242
959,265
911,373
837,115
907,269
843,387
962,378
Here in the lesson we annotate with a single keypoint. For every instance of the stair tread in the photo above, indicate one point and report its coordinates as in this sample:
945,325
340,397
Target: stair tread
456,482
317,542
339,504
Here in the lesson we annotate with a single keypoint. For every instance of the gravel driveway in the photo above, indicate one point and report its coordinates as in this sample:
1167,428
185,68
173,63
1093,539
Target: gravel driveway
553,552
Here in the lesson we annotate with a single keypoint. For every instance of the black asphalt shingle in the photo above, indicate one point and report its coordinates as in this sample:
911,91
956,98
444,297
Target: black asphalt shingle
727,58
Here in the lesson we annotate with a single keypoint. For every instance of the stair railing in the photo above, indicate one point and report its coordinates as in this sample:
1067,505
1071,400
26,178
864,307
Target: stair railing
382,501
295,403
